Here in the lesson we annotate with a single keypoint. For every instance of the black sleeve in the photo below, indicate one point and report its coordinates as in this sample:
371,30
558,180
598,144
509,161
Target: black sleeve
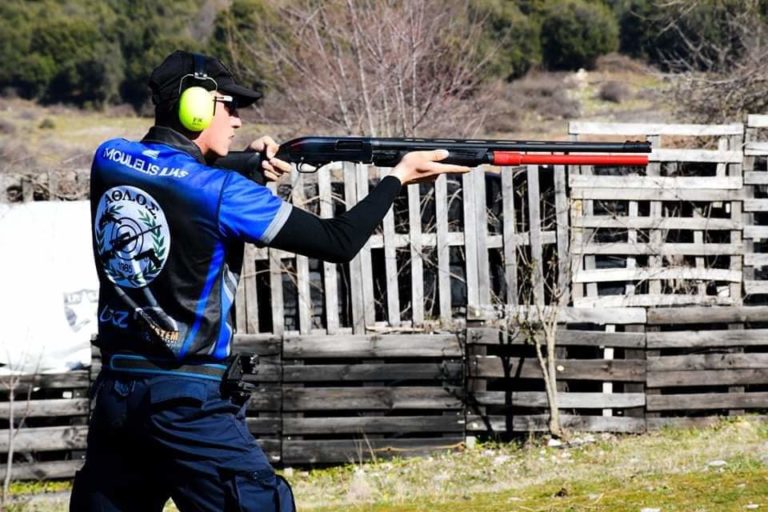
339,239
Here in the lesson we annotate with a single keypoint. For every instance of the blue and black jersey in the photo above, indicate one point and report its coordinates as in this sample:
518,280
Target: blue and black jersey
168,235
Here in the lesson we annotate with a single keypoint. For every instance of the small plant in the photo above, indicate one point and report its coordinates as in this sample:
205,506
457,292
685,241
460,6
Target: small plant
613,91
47,124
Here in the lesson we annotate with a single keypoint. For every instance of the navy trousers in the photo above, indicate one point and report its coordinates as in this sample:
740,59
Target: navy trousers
159,437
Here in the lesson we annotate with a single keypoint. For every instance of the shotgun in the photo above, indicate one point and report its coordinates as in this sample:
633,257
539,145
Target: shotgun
311,153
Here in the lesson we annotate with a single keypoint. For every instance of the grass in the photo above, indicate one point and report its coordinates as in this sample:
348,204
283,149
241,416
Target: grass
720,468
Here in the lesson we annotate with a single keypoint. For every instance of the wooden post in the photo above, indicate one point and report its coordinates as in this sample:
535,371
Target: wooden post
417,264
329,269
443,250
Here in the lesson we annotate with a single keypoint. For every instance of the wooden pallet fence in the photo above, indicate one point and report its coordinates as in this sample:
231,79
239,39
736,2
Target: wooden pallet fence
755,215
709,362
513,399
50,423
351,398
264,410
663,236
421,267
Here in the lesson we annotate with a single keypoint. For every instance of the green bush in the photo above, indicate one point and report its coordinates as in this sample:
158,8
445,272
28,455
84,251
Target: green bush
514,35
574,33
705,35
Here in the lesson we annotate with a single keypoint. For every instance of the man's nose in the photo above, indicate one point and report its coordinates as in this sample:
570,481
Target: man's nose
236,122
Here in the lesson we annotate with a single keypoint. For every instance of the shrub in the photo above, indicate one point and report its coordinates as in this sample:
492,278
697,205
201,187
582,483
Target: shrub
613,91
574,33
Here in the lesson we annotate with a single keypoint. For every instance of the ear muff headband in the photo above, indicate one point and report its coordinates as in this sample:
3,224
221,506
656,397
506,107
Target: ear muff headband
196,104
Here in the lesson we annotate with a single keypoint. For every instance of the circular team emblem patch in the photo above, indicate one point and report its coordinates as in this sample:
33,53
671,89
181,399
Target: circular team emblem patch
132,236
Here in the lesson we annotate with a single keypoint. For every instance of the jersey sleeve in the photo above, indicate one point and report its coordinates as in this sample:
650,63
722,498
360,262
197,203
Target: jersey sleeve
249,211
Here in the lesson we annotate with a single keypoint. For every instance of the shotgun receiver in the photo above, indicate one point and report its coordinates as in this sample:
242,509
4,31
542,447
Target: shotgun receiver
310,153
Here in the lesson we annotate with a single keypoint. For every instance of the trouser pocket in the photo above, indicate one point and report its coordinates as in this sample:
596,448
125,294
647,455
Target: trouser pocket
264,491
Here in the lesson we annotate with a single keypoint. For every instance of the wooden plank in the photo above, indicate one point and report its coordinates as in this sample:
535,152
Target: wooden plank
654,182
534,213
470,242
44,408
661,249
739,314
583,369
755,178
43,470
355,266
265,399
489,336
390,266
69,380
44,439
329,269
755,287
756,232
639,194
374,346
717,361
620,222
707,378
714,338
443,250
250,306
563,234
264,426
756,149
565,315
564,400
401,425
755,259
757,121
540,423
302,267
691,130
260,344
417,264
480,232
509,228
370,398
647,300
644,274
366,266
707,401
371,372
276,292
354,450
696,155
755,205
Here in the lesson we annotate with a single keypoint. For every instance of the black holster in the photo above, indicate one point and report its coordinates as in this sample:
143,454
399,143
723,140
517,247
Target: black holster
232,384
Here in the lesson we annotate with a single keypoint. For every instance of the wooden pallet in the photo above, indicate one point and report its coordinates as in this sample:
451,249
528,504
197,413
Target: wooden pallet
51,423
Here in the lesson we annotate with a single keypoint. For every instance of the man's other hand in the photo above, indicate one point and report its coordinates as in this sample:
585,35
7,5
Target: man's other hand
418,166
274,168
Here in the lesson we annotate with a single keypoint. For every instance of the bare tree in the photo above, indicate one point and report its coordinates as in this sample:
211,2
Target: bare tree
12,383
720,78
378,68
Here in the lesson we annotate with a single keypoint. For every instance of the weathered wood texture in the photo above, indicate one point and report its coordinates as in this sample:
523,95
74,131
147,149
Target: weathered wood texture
701,362
46,425
344,398
666,235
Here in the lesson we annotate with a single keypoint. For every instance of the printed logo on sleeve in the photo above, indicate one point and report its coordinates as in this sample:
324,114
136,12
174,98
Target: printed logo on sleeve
132,236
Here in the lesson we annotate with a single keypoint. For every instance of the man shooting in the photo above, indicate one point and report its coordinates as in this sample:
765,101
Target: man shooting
169,230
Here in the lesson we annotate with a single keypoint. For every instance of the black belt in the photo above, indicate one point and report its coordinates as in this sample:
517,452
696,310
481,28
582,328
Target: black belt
140,365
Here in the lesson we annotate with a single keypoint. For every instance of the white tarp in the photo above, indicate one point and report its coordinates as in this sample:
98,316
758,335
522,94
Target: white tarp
48,287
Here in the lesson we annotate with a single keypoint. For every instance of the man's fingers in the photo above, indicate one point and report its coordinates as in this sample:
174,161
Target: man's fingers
283,166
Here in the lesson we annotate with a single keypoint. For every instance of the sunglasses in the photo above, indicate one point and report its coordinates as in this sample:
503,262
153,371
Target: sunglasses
229,102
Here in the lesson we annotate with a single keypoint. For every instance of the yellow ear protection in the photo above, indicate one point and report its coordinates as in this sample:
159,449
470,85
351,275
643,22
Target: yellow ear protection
196,103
